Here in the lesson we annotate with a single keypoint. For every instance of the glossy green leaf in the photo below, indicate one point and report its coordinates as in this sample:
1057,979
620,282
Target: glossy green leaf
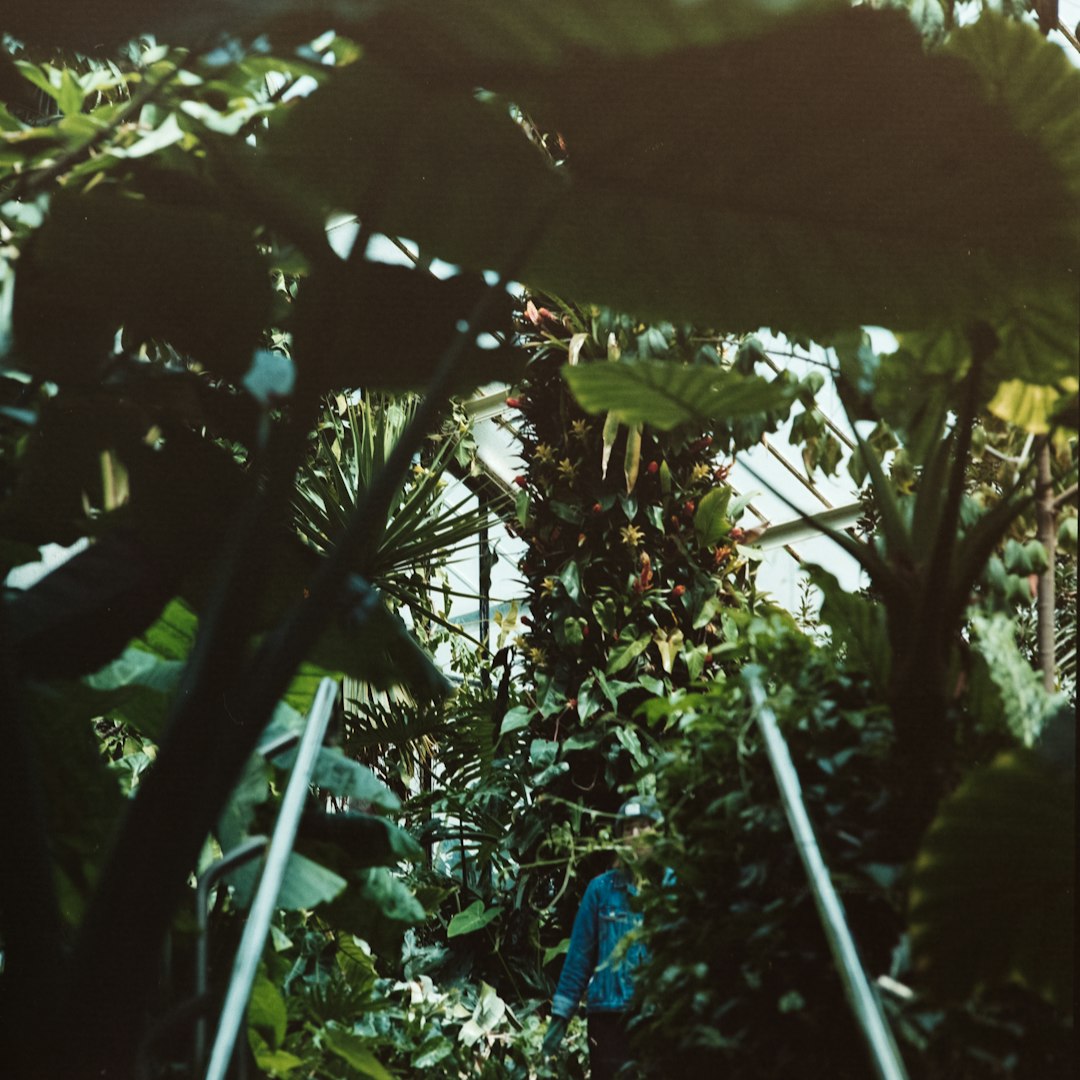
377,907
858,626
624,655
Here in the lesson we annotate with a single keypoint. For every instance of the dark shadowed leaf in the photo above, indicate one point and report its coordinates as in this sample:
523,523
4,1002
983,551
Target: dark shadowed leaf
992,896
185,275
393,324
826,171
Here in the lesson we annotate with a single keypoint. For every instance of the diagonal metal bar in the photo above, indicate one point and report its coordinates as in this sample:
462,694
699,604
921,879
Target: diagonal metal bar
869,1015
277,857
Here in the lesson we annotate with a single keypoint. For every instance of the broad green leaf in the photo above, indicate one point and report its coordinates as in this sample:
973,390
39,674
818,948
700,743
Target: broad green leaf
448,170
542,752
570,576
632,461
1037,87
37,76
992,893
631,742
665,394
266,1011
518,717
70,94
711,523
362,839
307,884
173,634
138,686
343,776
431,1052
556,950
276,1062
625,654
353,1050
471,919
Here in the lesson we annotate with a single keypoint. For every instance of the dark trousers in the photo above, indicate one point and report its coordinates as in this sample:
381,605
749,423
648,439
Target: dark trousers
609,1047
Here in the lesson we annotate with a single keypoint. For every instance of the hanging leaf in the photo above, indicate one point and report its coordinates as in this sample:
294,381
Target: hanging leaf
633,458
608,437
573,351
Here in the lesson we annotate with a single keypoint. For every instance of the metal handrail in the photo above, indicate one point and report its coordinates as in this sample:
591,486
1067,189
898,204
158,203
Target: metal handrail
864,1002
263,906
250,849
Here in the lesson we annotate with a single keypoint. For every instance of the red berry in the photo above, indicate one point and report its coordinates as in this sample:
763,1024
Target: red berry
688,506
513,402
652,467
520,481
678,590
597,508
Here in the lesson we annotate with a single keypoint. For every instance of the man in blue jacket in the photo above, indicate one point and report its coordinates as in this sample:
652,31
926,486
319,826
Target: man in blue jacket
597,963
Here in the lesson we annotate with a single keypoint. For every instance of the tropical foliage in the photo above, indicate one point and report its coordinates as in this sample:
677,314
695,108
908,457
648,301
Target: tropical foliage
173,319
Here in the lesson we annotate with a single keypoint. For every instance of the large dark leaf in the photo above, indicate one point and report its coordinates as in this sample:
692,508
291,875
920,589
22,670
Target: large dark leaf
447,169
189,276
392,326
826,171
84,613
992,897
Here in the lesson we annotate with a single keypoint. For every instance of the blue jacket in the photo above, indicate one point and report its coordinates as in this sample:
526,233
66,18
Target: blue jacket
604,918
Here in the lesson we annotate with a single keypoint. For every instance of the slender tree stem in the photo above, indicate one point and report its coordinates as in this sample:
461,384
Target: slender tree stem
1046,524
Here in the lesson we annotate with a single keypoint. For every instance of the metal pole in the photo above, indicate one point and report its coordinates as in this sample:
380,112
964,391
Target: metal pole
277,858
861,997
245,852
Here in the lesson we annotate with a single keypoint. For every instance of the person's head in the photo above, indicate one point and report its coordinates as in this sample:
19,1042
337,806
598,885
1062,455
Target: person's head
636,822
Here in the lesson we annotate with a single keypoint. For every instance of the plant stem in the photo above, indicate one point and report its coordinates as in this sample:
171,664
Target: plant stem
1046,523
